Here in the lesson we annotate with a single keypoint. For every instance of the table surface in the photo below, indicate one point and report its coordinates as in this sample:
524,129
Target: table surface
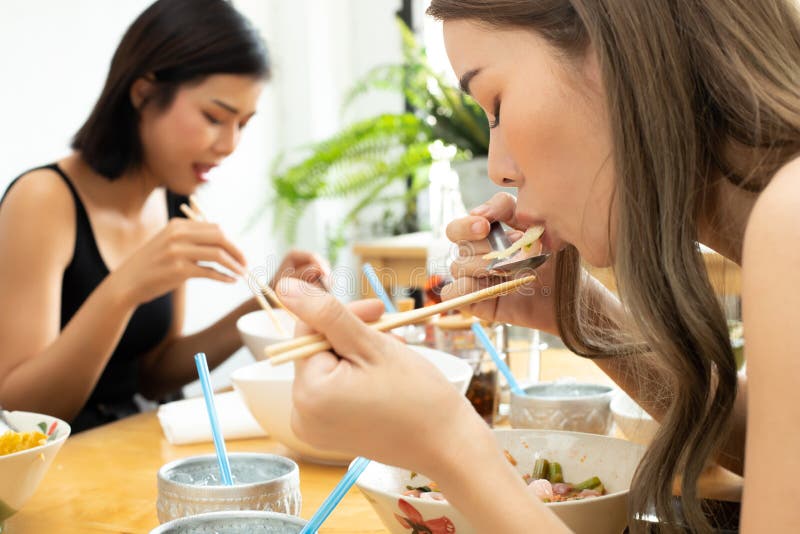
104,480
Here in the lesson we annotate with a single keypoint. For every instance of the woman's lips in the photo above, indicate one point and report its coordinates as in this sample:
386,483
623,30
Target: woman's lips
545,239
201,171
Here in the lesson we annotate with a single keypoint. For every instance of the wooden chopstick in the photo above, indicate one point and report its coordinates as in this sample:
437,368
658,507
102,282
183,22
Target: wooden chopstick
270,294
195,213
195,206
303,347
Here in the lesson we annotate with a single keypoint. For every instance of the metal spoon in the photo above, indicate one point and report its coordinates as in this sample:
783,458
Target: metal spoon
5,422
499,241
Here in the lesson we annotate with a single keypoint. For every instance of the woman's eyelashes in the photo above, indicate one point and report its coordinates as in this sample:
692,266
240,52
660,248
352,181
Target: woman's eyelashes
211,119
495,122
216,122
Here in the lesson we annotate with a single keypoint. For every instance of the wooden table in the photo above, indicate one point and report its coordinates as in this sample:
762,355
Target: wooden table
400,262
104,480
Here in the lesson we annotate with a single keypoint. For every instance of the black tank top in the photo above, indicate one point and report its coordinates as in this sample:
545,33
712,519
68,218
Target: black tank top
112,397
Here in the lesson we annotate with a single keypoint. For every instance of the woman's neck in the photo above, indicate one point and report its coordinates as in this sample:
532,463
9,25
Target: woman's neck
724,219
127,194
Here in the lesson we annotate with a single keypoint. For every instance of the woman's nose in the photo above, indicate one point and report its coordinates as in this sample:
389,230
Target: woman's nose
502,169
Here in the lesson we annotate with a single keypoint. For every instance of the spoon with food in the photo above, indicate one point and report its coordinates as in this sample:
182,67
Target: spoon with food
508,258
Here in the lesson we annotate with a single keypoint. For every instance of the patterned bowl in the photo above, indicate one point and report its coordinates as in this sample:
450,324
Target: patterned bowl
248,522
264,482
563,406
21,472
581,456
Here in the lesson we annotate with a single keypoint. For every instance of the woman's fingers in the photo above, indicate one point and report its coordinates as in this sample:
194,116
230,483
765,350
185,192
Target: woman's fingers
198,253
342,326
501,207
209,234
199,271
471,266
470,228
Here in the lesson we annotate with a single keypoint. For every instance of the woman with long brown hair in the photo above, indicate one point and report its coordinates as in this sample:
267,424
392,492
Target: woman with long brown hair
633,131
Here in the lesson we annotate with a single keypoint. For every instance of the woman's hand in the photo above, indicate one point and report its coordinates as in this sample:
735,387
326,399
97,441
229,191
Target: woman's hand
533,306
173,256
378,398
306,266
381,400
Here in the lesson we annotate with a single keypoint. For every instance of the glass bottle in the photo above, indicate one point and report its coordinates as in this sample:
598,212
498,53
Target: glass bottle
454,335
445,205
412,334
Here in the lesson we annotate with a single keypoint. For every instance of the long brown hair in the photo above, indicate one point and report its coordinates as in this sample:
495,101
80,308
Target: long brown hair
684,80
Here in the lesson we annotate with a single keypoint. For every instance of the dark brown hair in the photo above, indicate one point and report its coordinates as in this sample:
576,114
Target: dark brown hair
177,42
684,80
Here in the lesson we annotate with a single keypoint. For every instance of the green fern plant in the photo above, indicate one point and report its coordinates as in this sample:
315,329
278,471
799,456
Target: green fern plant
364,159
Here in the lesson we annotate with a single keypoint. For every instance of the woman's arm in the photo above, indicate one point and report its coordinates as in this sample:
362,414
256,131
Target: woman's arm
640,379
771,310
44,369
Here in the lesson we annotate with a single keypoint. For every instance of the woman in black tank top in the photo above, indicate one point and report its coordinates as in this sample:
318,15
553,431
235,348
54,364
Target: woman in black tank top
96,279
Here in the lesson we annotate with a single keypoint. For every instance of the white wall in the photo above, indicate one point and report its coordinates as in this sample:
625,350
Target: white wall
54,61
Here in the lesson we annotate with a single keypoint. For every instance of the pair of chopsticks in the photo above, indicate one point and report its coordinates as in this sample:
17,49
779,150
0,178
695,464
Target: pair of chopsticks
194,212
305,346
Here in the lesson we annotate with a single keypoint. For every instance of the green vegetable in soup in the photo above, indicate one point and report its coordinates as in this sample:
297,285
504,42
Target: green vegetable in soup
540,469
554,474
590,483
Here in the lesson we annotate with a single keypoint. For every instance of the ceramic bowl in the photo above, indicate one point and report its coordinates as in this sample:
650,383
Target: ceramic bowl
581,456
21,472
257,330
267,392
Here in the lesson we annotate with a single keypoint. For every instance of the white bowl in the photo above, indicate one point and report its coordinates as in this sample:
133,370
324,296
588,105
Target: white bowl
257,330
581,456
632,420
21,472
267,392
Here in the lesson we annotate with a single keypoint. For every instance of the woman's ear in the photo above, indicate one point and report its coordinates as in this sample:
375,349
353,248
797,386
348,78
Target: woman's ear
141,91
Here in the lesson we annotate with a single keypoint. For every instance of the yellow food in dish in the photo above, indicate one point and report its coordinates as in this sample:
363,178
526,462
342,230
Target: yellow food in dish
11,442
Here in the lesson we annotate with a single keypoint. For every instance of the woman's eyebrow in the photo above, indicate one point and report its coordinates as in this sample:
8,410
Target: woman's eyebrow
225,106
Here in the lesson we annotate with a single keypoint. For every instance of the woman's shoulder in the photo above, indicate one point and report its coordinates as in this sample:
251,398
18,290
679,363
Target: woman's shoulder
772,238
42,186
780,201
39,208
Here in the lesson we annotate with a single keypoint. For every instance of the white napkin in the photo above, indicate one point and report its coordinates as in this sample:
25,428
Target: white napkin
186,421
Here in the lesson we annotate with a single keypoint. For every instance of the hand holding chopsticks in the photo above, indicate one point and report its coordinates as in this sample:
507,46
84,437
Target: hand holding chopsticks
194,212
303,347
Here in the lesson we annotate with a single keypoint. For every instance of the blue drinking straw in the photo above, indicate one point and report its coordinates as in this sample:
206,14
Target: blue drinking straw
377,287
338,493
219,443
487,344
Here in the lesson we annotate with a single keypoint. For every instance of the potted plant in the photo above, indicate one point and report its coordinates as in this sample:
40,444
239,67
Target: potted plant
364,159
